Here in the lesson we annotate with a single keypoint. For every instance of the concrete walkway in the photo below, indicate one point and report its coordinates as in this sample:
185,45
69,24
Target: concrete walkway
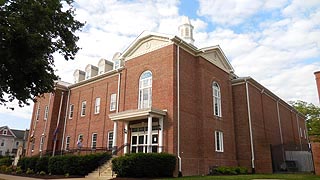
10,177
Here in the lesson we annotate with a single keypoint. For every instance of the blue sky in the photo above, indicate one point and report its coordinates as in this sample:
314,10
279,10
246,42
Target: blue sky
275,42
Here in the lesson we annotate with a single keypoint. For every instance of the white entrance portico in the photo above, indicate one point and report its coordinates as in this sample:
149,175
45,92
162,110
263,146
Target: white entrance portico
145,127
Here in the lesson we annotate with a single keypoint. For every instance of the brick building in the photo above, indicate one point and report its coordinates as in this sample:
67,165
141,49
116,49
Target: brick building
163,94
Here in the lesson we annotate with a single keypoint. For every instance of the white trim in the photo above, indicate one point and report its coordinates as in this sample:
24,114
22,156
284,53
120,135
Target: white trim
216,93
113,102
67,145
71,111
145,86
94,141
108,140
137,114
97,105
46,112
218,141
83,108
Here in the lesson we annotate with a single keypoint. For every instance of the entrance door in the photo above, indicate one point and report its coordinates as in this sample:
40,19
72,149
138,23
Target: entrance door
139,142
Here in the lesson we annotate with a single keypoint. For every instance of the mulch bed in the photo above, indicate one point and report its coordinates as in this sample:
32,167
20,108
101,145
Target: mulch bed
45,176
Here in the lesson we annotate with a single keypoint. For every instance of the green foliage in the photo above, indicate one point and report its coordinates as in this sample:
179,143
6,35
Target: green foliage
28,162
6,161
31,31
312,114
144,165
29,171
75,165
19,170
224,170
42,164
42,173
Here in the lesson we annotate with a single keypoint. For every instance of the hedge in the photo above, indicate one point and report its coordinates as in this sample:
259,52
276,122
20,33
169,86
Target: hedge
67,164
144,165
7,161
224,170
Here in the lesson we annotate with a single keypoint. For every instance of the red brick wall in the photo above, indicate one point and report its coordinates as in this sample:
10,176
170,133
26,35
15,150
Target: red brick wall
316,156
265,126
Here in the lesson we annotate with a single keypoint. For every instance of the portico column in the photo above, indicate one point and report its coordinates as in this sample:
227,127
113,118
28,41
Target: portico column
126,131
114,142
160,134
149,140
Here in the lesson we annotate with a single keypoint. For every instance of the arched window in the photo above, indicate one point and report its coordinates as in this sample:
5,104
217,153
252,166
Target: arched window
216,99
145,90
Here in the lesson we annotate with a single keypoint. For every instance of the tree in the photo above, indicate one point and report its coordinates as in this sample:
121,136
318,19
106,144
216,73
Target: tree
312,114
30,32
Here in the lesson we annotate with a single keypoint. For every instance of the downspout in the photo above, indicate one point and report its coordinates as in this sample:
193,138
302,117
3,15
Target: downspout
65,122
56,130
118,94
178,109
250,128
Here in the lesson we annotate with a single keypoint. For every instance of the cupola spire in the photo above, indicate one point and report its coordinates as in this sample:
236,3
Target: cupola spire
186,30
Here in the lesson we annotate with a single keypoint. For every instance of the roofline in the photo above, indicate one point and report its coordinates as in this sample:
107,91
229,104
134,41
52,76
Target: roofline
266,90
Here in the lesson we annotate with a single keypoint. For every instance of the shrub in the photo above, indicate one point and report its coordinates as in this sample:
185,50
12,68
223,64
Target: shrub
28,162
29,171
224,170
144,165
42,164
19,170
7,161
42,173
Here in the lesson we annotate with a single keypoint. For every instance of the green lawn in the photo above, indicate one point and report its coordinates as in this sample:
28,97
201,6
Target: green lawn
250,177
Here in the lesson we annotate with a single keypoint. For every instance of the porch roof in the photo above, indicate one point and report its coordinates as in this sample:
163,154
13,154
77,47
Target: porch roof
131,115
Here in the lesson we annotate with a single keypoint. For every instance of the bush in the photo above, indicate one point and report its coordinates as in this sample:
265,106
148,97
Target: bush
29,171
42,164
19,170
42,173
144,165
76,165
224,170
7,161
28,162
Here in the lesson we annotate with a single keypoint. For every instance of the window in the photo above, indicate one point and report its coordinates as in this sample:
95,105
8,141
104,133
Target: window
216,99
305,134
113,102
41,143
97,106
301,133
67,142
116,64
219,141
88,74
145,90
110,140
32,145
94,141
38,112
46,112
80,136
71,111
5,132
2,142
17,144
83,108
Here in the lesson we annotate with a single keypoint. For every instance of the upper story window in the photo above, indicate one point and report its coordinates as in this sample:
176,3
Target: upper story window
216,99
5,132
2,142
145,90
88,74
113,102
97,106
46,112
83,108
116,64
71,111
38,112
219,141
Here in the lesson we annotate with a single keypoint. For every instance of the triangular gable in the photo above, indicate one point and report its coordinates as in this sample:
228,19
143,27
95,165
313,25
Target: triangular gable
216,56
9,132
146,42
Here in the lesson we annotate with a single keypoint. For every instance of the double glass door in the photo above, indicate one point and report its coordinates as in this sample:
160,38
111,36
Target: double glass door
139,142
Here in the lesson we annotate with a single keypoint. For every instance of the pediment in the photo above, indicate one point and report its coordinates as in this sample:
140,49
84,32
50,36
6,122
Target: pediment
216,57
146,45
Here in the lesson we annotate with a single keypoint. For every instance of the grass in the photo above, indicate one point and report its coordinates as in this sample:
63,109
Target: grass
255,176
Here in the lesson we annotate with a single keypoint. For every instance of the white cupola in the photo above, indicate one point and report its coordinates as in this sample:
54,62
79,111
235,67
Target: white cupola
186,30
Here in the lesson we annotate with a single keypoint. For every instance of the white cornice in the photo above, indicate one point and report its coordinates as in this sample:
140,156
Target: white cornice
136,114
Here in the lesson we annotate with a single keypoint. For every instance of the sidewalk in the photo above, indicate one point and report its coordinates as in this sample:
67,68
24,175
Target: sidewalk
10,177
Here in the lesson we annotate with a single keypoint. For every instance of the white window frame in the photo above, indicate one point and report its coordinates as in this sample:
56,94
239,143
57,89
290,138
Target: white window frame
116,64
218,141
145,86
5,132
71,110
46,112
110,140
113,102
38,113
41,143
94,141
67,143
97,106
87,74
83,108
216,93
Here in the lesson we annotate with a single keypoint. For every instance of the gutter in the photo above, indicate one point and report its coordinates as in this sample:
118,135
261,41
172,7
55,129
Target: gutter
250,128
178,109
